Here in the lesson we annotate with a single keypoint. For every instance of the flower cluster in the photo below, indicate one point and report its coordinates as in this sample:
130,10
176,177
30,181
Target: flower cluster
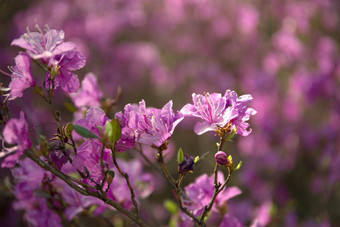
59,59
80,170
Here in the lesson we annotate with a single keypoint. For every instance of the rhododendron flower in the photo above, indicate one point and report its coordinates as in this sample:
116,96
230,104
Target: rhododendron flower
21,76
15,132
89,94
88,155
44,46
155,126
129,124
94,117
212,108
142,183
149,126
199,194
218,111
64,64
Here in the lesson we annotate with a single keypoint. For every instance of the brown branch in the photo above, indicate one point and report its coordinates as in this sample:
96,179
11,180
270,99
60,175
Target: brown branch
84,191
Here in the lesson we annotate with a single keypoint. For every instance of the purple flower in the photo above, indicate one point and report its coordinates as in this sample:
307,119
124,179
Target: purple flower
244,112
89,94
63,65
21,76
129,124
155,126
212,108
76,201
29,177
15,132
94,117
149,126
218,111
44,46
199,194
88,155
142,183
221,158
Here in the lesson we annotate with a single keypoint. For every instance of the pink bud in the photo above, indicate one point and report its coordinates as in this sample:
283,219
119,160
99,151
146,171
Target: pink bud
221,158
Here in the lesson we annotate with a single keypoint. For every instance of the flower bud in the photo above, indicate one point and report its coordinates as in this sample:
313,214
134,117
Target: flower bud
222,158
187,165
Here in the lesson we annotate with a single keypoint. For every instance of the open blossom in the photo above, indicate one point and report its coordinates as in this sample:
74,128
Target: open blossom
218,111
155,126
89,94
88,156
21,76
142,183
199,194
44,46
64,65
149,126
94,117
129,123
16,133
29,177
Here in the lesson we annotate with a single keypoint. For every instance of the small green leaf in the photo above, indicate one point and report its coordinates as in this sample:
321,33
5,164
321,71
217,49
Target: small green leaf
84,132
70,107
239,165
110,175
69,129
196,159
232,134
39,90
173,223
230,158
180,156
113,130
171,206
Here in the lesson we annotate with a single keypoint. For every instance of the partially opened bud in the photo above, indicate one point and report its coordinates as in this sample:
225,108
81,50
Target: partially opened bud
222,158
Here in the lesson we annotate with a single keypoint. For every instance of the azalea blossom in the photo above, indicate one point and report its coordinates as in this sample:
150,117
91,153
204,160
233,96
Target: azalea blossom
15,133
64,64
198,194
89,94
21,76
44,46
149,126
218,111
155,126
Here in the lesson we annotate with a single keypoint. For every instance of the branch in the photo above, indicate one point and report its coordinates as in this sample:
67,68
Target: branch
84,191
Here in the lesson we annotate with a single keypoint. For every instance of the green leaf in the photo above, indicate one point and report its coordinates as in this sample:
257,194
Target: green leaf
230,158
68,131
232,134
113,130
180,156
197,159
70,107
84,132
239,165
171,206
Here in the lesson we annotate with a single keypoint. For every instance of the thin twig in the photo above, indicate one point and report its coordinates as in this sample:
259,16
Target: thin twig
166,171
126,176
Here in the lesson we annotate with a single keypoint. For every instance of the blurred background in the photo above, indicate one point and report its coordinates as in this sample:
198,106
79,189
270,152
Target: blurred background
284,53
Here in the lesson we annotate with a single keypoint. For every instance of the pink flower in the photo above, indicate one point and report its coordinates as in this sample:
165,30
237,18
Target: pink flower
21,76
15,132
218,111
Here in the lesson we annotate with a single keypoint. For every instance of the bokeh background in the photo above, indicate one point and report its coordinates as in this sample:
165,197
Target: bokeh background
284,53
